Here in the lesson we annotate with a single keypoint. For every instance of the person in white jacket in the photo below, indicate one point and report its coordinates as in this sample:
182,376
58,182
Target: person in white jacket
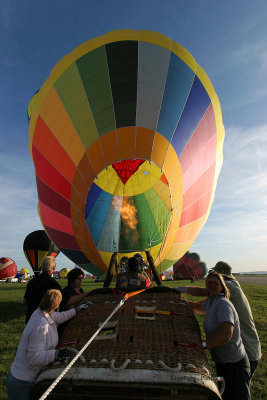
37,346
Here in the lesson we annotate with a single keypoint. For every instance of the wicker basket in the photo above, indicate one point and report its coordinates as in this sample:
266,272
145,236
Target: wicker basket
150,349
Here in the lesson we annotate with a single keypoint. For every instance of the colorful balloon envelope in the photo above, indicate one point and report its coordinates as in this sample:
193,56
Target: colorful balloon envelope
36,246
8,268
190,266
126,137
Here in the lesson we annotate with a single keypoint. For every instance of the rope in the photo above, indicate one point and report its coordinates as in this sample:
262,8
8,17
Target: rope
56,381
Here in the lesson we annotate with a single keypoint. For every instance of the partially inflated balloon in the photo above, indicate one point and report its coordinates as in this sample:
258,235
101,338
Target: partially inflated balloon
190,266
8,268
25,271
36,246
126,137
64,272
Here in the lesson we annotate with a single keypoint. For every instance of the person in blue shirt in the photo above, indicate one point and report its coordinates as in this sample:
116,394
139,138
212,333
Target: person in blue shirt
222,328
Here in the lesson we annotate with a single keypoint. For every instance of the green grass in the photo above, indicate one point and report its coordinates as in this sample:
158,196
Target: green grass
12,316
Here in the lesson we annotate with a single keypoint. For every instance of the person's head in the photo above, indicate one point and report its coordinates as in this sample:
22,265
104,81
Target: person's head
48,265
124,263
139,256
133,264
75,277
224,269
50,300
142,263
215,285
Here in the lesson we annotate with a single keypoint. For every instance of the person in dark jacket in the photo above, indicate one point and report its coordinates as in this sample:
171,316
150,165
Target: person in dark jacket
38,286
72,294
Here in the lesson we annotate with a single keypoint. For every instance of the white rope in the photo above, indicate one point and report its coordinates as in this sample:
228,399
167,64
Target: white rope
123,366
52,386
177,369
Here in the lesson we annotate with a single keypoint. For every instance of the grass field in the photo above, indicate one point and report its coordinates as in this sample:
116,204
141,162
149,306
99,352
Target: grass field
12,315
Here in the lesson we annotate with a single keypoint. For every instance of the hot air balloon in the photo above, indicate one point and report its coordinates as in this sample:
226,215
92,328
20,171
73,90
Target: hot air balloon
63,273
36,246
126,137
8,268
190,266
25,271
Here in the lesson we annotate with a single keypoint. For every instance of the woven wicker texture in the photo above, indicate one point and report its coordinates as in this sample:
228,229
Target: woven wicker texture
153,326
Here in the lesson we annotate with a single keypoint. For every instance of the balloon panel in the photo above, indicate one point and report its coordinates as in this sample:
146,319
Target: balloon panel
8,268
32,105
127,146
36,246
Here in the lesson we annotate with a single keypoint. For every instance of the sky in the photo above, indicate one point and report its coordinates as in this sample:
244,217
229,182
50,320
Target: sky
228,39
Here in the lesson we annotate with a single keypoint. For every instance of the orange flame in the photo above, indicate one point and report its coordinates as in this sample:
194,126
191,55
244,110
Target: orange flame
128,211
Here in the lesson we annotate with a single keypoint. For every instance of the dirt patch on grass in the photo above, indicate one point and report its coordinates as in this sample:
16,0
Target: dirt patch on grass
256,280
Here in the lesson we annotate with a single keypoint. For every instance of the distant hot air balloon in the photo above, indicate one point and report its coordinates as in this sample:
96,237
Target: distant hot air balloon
8,268
25,271
126,137
190,266
63,273
36,246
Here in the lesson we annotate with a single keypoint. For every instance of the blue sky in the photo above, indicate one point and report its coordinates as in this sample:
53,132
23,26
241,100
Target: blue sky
228,39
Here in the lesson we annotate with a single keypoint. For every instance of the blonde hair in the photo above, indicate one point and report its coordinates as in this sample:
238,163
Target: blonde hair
50,300
47,264
221,280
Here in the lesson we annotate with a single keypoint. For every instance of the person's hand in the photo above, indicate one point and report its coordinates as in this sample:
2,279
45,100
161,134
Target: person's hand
81,307
62,354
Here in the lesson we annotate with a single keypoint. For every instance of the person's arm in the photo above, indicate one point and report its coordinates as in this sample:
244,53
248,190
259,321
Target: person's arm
25,301
222,336
63,316
141,277
73,301
198,307
194,291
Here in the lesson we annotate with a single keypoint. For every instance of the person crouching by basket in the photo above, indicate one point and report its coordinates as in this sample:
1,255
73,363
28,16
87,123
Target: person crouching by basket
132,278
37,346
221,325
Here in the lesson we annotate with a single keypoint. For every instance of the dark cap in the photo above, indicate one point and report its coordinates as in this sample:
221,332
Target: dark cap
224,269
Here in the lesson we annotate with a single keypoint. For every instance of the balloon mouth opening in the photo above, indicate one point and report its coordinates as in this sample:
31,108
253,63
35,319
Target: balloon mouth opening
128,206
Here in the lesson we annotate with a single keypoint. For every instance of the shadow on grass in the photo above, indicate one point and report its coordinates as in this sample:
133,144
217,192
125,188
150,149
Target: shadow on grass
11,310
7,288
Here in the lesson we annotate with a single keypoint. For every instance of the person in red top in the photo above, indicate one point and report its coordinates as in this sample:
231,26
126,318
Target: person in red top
143,266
